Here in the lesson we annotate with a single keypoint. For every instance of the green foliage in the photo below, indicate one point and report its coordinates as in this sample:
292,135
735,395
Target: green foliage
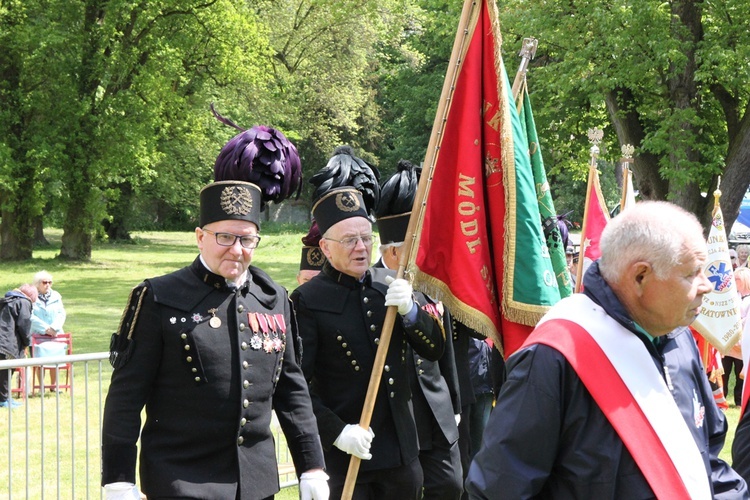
679,75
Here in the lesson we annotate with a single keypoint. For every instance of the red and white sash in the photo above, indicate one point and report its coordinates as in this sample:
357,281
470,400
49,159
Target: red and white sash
616,368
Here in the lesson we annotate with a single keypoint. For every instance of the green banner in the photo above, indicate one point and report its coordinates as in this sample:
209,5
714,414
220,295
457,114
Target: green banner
555,244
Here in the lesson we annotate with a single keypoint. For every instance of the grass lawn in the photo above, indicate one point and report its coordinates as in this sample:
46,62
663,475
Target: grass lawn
94,293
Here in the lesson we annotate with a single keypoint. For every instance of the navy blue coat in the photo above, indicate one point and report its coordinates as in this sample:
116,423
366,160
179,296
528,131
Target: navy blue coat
15,324
547,438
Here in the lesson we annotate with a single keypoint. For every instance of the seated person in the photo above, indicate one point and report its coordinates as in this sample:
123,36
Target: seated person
48,314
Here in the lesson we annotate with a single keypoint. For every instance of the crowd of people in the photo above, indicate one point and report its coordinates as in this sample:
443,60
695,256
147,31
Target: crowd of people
608,397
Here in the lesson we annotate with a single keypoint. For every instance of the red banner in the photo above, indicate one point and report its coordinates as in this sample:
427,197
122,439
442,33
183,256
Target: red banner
467,248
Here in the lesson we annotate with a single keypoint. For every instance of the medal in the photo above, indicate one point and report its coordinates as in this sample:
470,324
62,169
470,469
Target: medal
215,321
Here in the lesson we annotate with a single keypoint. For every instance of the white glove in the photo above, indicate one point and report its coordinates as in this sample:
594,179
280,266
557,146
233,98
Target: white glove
313,485
356,441
399,294
458,418
121,491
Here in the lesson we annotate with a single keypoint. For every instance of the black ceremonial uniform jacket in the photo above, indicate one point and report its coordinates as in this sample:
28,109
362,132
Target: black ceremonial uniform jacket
434,384
435,391
340,322
209,386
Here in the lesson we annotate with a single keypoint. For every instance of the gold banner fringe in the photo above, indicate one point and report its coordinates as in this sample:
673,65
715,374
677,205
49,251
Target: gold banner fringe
463,313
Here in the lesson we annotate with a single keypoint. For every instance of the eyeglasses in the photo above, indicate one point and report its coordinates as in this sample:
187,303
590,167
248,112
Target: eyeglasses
46,282
351,242
228,239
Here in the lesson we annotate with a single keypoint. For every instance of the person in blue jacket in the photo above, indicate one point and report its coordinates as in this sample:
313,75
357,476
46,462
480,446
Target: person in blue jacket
562,430
49,313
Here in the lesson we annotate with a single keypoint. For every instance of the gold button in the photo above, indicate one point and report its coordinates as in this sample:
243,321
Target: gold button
365,300
377,341
369,314
243,421
419,361
245,403
189,359
356,368
421,372
197,379
245,364
339,338
244,346
348,353
344,344
354,362
183,336
393,394
390,381
240,308
242,327
387,368
187,347
194,370
240,440
373,328
245,384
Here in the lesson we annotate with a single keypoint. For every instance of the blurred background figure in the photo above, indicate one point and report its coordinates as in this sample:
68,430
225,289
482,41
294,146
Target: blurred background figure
15,336
743,251
733,359
733,257
312,258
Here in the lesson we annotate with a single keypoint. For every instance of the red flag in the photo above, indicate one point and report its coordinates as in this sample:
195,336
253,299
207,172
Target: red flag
481,248
595,218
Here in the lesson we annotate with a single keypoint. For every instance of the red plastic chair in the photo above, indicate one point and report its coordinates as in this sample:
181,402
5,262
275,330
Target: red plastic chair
21,385
63,344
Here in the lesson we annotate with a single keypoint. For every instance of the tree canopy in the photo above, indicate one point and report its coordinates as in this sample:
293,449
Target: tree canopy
105,127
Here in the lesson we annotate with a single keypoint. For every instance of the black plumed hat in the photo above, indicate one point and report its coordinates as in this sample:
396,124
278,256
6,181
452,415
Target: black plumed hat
346,187
396,200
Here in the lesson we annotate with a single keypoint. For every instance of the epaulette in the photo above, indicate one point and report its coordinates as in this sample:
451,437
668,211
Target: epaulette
122,344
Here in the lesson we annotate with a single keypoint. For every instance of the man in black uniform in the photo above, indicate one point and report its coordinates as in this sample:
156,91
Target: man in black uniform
341,313
434,385
210,351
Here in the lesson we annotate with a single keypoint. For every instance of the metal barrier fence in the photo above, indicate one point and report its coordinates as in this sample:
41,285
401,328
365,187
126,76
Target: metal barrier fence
50,444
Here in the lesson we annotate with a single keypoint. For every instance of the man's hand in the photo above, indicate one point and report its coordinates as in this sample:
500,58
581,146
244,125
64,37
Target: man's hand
399,294
356,441
313,485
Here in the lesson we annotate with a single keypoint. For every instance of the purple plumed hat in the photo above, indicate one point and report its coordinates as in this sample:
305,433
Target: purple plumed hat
261,156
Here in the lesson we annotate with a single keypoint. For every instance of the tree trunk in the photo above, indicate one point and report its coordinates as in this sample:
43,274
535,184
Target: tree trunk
621,106
78,226
13,246
39,238
117,229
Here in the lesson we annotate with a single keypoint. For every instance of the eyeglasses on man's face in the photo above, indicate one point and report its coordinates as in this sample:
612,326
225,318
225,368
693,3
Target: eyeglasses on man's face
351,242
249,241
46,282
